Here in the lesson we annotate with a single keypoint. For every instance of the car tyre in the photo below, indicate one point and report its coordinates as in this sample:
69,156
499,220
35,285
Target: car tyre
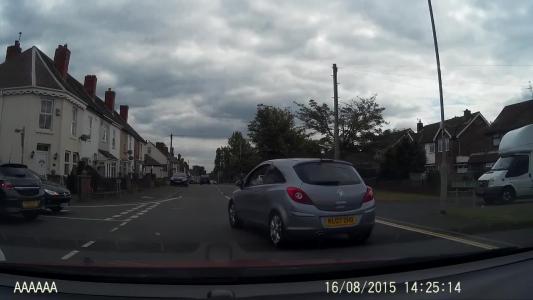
234,220
360,237
508,195
276,230
56,209
30,215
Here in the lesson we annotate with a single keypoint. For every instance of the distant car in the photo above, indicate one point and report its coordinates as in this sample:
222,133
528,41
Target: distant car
56,196
204,179
304,198
20,191
179,179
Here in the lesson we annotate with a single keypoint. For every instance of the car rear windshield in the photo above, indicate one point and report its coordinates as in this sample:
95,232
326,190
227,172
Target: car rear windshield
327,173
14,172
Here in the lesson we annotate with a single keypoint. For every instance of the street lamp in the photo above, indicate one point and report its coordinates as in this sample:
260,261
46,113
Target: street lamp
443,166
22,132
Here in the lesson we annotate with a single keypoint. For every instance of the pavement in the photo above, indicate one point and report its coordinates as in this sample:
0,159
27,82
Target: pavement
189,226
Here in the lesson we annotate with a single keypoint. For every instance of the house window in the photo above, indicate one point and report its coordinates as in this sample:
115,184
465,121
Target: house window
45,116
67,162
496,140
75,160
74,124
113,139
149,150
113,169
430,148
104,135
90,126
462,168
446,144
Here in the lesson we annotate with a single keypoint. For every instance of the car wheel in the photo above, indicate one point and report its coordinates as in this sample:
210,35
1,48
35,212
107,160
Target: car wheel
360,237
507,195
30,215
57,209
276,230
234,220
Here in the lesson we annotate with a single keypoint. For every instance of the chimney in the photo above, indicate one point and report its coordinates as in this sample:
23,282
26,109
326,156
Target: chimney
13,51
61,59
419,126
110,99
90,85
467,113
124,112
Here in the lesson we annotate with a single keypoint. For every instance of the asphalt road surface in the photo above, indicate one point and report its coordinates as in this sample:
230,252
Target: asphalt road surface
188,226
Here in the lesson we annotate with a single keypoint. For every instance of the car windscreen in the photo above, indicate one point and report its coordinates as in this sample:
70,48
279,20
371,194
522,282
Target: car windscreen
14,172
503,163
327,173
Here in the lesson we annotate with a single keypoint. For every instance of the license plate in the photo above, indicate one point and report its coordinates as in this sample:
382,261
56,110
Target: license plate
340,221
30,204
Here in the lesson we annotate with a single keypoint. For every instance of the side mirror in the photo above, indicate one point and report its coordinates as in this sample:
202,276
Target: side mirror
239,183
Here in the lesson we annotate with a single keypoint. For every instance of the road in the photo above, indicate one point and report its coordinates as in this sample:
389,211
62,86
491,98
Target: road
188,225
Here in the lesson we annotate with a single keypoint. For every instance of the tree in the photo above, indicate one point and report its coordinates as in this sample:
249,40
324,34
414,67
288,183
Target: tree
406,157
360,121
198,170
242,155
274,133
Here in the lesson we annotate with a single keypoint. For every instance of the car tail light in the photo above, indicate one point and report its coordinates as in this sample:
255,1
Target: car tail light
369,195
4,185
297,195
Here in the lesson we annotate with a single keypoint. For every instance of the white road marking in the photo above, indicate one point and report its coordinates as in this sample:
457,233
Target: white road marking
126,204
116,216
145,211
124,213
123,223
70,254
227,197
114,229
87,244
2,256
439,235
79,218
157,233
135,216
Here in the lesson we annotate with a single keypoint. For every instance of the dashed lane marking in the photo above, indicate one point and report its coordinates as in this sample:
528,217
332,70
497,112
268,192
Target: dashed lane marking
89,243
126,204
2,256
79,218
70,254
114,229
123,223
438,234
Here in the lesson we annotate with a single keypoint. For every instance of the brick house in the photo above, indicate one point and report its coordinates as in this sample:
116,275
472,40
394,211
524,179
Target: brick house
511,117
464,135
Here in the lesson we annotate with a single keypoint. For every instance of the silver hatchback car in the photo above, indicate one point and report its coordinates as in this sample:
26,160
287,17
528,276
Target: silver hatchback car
304,198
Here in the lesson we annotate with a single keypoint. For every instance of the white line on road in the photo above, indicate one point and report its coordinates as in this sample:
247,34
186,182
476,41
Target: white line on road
227,197
126,204
439,235
77,218
114,229
116,216
123,223
70,254
87,244
2,256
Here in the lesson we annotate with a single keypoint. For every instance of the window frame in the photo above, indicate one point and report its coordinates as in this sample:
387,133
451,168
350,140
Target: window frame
45,114
66,167
74,122
249,177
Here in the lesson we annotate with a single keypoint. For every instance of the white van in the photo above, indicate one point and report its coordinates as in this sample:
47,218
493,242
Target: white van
511,176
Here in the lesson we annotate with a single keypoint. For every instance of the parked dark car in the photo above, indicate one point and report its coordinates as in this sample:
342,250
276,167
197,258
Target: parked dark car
56,196
179,179
204,179
20,191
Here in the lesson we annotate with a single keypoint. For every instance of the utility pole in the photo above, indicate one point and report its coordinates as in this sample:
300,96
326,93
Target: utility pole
336,113
171,158
22,134
443,165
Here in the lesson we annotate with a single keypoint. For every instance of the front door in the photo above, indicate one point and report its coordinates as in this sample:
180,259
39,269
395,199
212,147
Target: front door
42,155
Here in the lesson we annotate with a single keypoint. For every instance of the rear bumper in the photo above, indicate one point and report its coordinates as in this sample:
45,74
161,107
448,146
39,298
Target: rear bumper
307,226
489,192
16,205
51,202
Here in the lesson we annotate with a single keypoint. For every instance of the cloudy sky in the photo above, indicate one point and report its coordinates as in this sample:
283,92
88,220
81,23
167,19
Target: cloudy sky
199,68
